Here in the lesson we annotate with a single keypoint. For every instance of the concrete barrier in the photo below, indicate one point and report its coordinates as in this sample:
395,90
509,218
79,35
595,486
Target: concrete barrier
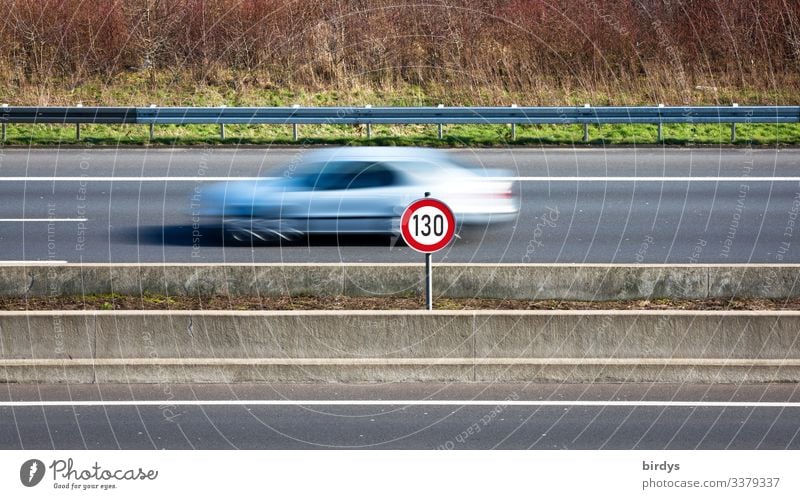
394,346
524,282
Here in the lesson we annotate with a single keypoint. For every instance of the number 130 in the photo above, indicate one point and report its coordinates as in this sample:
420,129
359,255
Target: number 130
426,225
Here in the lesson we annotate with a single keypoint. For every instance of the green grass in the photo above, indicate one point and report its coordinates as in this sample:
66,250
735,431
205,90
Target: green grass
422,135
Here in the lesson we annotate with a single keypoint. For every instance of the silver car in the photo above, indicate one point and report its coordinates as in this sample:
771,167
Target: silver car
355,191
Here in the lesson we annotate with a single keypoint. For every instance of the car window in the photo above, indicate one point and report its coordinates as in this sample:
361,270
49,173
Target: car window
422,168
340,175
374,175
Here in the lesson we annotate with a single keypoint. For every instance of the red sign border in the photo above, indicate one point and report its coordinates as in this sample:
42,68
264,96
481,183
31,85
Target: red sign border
406,218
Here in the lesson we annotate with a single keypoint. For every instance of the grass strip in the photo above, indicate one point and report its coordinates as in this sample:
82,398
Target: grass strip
44,135
223,302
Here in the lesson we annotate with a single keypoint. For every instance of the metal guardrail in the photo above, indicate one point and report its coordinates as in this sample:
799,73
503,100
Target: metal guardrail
584,115
69,115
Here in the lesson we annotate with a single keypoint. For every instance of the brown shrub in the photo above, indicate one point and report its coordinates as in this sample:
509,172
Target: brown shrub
665,48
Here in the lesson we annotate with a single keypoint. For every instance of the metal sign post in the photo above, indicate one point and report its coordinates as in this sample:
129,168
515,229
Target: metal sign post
428,282
428,225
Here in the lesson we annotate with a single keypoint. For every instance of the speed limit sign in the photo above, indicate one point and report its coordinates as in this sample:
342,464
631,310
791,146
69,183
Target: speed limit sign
427,225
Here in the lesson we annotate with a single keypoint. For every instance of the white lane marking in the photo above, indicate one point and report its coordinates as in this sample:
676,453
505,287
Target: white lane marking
44,219
647,179
396,361
517,403
34,262
518,179
130,179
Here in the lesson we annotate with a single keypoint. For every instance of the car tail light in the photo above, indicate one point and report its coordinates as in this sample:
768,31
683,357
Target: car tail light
507,194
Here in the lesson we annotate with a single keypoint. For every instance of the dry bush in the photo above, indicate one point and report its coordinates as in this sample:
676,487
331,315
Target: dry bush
654,50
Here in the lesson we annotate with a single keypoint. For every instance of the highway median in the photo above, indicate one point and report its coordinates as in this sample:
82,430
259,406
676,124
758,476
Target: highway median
395,346
362,323
585,282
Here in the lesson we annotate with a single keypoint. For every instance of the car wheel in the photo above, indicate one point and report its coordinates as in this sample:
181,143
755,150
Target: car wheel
256,232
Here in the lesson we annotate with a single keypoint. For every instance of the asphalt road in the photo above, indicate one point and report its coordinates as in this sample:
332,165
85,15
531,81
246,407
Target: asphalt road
738,220
391,416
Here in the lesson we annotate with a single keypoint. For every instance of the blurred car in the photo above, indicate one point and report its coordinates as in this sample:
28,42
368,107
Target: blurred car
355,191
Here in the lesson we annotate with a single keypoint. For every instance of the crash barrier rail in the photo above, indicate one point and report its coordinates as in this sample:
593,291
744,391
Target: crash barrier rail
514,115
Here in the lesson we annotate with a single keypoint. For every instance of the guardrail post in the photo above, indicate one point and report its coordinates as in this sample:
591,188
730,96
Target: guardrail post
660,125
152,126
222,127
369,125
78,126
295,125
733,127
4,127
513,128
586,127
441,129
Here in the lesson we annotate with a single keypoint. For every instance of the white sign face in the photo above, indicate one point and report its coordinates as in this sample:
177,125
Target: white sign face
427,225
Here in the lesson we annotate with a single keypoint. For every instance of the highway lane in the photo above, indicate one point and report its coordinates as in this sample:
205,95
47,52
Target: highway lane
245,161
735,221
399,416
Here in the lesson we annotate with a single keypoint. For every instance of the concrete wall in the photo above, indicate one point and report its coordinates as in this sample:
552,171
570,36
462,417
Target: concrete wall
532,281
332,346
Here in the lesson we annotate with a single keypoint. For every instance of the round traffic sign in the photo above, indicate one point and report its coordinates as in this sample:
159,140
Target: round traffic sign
427,225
